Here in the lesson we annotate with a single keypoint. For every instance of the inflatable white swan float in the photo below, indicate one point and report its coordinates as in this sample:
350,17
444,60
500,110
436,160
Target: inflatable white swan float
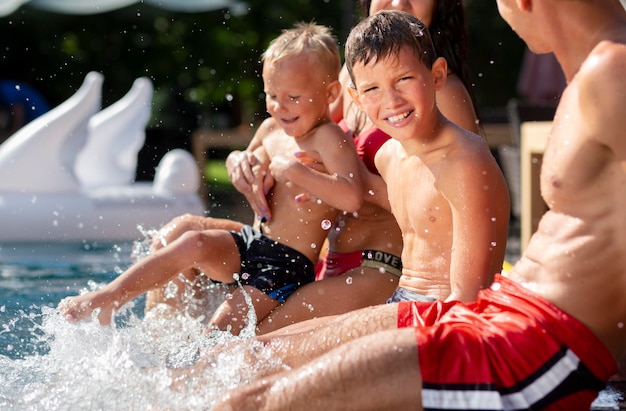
69,174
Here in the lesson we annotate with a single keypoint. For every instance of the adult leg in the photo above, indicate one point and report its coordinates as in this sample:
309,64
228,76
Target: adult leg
374,372
306,340
357,288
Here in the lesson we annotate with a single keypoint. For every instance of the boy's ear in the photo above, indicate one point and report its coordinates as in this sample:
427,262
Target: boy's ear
354,94
333,90
525,5
439,71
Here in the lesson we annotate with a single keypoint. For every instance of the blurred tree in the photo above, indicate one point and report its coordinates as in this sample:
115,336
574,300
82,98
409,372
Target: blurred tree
495,54
205,66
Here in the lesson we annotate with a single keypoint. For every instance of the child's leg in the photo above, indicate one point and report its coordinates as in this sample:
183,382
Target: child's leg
191,283
213,251
357,288
234,311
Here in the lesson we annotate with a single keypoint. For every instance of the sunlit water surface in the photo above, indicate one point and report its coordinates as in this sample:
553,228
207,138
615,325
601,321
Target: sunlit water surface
49,364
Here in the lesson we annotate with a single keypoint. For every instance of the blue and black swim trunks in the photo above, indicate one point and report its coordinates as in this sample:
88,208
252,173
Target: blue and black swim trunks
269,266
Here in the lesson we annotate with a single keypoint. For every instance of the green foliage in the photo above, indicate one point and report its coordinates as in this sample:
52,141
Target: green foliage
206,64
495,54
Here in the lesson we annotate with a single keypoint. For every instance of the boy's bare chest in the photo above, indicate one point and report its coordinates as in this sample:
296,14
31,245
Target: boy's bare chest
415,196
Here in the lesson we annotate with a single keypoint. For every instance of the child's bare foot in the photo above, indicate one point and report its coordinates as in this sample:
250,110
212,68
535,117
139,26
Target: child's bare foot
81,307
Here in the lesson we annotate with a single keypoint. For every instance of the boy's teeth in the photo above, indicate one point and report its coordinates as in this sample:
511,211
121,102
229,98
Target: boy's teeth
399,117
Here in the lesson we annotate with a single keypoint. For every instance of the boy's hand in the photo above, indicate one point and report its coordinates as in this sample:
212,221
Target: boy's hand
280,167
311,159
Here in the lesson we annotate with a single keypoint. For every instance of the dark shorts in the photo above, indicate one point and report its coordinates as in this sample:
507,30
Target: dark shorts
510,350
270,266
335,264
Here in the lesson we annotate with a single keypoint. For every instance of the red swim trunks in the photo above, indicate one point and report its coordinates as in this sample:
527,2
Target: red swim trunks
511,350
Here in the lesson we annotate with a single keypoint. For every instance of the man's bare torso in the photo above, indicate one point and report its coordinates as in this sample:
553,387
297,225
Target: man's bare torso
577,257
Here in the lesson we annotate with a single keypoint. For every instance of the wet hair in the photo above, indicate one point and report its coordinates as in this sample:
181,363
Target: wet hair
448,29
314,40
384,35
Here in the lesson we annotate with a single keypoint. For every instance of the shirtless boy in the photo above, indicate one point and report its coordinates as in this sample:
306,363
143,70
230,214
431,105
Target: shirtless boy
446,190
550,334
300,76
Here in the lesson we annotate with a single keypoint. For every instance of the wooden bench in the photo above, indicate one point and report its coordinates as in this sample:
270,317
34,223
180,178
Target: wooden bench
534,136
203,140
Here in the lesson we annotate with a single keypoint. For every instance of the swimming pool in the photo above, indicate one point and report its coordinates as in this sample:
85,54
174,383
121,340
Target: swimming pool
48,364
35,275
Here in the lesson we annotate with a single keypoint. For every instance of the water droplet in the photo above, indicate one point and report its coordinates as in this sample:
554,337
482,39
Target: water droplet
245,276
493,244
370,192
171,289
313,245
326,224
349,280
496,286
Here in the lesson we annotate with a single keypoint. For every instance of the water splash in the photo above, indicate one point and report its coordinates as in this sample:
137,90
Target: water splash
47,363
127,367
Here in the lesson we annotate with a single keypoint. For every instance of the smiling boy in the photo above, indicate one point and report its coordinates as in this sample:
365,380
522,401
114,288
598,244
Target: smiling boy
274,258
445,188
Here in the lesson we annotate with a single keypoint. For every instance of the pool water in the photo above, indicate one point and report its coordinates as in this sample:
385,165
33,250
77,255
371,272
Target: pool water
35,275
49,364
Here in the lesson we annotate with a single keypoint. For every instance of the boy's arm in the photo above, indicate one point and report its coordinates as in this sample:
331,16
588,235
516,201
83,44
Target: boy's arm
473,202
341,187
375,188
